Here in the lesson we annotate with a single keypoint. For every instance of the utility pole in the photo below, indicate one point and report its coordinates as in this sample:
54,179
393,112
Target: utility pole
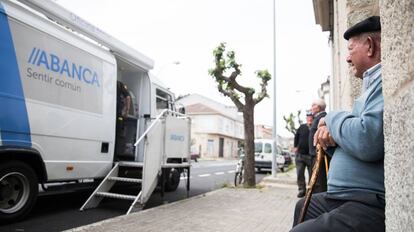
274,164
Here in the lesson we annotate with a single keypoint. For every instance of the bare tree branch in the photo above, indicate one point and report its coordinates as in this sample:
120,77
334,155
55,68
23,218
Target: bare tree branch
232,95
265,77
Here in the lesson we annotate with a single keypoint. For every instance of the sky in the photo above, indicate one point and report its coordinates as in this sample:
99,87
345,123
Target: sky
180,36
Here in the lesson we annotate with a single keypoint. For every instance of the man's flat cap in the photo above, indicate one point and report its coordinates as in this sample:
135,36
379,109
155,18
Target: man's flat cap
367,25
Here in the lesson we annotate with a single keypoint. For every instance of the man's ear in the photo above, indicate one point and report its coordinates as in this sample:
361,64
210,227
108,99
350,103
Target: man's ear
371,46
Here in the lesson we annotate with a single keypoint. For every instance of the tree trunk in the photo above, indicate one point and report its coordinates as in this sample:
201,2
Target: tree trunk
248,116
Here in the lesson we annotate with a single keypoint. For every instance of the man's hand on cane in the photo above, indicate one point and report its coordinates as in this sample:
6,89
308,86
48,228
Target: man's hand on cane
322,136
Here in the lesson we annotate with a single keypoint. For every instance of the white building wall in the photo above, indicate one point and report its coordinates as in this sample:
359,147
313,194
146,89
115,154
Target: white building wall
205,124
207,128
344,85
342,81
217,124
207,145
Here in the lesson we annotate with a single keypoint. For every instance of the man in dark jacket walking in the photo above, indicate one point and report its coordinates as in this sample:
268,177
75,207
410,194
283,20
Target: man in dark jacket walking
302,157
318,111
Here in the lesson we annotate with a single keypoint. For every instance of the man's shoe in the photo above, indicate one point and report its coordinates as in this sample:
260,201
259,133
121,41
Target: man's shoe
300,195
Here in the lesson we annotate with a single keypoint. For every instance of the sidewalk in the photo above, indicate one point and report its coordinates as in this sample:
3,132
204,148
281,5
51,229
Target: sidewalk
227,209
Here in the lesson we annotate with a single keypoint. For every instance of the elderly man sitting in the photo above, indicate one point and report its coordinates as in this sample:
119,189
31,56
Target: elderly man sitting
355,199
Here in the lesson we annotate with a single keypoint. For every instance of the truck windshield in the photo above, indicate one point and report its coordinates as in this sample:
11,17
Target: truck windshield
258,147
163,99
268,148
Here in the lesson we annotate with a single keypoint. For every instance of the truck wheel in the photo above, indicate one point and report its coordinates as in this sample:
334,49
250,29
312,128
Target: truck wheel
173,179
18,190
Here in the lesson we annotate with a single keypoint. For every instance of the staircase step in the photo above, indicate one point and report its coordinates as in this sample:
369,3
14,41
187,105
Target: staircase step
131,164
175,165
116,196
125,179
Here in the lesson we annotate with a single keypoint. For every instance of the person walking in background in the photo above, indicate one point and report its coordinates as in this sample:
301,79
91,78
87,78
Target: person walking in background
318,111
302,158
355,200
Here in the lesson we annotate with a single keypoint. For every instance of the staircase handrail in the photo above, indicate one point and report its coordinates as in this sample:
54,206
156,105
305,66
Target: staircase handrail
157,119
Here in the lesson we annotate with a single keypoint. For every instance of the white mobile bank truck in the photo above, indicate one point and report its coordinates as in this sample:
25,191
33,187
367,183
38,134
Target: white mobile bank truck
59,112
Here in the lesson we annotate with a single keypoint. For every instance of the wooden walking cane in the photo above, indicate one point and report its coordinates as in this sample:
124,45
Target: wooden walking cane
320,157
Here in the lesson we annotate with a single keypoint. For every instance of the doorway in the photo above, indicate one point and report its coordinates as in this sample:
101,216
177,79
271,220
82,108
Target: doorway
221,147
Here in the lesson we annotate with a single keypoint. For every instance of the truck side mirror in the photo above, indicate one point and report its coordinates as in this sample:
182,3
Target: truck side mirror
181,110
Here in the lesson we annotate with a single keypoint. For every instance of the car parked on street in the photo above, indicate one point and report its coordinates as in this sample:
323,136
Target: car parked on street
288,157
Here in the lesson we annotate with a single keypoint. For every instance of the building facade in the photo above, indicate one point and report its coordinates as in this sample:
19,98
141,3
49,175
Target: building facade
263,132
324,93
217,130
266,132
397,54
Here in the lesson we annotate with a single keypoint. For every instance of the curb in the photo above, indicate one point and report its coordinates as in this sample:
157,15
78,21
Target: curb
100,226
118,218
287,178
278,180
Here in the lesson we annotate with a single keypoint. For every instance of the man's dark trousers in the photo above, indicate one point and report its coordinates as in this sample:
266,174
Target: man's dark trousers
303,161
365,213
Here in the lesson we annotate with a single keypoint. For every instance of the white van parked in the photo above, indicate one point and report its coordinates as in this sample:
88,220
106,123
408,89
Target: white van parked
79,106
263,152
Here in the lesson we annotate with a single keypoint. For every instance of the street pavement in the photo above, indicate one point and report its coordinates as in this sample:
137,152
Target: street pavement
266,208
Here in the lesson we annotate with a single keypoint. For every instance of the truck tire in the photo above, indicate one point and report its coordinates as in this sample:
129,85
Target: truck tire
173,179
18,191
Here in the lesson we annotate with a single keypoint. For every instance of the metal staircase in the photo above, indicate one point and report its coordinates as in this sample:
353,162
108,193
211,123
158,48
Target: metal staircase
108,182
152,165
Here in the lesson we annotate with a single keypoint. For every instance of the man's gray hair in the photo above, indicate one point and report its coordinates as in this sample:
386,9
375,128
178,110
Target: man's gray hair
375,35
320,102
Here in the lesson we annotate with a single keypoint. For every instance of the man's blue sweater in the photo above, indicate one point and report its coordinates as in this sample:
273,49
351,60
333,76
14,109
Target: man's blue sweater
357,165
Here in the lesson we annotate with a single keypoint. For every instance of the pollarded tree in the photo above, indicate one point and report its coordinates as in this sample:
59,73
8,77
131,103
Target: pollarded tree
290,122
225,64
